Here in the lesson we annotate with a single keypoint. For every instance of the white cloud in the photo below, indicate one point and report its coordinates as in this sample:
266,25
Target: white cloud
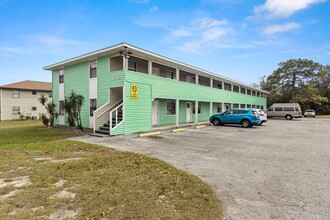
11,49
154,8
283,8
277,28
200,33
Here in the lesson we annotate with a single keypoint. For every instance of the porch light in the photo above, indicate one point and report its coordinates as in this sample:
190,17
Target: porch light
125,53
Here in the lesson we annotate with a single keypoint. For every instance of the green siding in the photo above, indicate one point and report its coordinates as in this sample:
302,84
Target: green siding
137,112
55,94
103,80
76,78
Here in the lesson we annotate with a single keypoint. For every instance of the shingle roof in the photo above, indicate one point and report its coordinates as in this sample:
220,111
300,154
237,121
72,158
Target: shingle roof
29,85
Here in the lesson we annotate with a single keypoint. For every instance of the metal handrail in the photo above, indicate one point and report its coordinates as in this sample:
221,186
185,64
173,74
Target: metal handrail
105,111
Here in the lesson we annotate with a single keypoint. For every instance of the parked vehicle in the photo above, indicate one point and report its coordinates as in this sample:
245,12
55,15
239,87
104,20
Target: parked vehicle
246,117
262,115
309,113
285,110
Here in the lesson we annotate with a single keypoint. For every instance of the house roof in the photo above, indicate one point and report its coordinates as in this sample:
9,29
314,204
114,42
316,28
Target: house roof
116,49
29,85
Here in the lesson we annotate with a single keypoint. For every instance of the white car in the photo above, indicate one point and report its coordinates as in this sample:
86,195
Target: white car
262,115
309,113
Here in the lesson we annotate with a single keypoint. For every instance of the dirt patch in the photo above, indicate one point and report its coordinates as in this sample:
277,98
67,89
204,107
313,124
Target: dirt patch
62,214
17,182
65,160
59,183
65,194
42,158
10,194
16,211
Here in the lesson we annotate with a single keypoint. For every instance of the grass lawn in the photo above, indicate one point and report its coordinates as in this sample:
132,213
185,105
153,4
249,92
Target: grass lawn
45,176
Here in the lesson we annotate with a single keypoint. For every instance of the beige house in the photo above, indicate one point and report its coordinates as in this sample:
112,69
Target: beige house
21,98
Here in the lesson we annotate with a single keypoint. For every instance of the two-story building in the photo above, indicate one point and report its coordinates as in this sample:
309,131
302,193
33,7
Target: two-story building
21,99
128,89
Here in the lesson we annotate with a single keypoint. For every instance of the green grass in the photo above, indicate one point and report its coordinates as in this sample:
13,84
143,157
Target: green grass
107,183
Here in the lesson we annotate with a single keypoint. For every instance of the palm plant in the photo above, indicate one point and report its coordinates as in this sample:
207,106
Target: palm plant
51,111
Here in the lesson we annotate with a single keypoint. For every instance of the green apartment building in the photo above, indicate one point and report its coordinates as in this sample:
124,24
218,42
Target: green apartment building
128,90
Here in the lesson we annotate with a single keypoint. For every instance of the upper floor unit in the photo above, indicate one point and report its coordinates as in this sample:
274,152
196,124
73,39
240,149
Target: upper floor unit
124,56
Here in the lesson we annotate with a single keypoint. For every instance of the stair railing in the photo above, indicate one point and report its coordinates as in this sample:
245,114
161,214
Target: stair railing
115,111
100,116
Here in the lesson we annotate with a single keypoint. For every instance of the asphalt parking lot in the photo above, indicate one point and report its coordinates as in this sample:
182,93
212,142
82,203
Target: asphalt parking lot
280,170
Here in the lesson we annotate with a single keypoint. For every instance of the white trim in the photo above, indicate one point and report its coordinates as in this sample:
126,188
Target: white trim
106,51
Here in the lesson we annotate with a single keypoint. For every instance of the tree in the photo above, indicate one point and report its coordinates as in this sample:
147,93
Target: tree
51,111
294,79
72,106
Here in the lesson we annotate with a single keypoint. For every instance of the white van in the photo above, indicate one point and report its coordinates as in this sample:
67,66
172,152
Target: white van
285,110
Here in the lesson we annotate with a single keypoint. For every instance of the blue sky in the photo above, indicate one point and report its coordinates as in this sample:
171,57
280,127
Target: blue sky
240,39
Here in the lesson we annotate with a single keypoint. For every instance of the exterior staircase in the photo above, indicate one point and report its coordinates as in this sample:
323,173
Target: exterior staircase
116,116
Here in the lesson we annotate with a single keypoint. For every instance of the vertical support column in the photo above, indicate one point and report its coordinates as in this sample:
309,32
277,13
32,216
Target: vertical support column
223,106
196,112
239,89
211,82
223,85
177,74
149,67
211,108
124,63
232,87
196,77
177,114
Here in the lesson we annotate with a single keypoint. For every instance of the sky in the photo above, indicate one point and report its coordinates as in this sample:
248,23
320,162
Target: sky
240,39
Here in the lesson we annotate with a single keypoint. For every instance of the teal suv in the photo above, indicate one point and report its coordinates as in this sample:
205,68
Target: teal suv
245,117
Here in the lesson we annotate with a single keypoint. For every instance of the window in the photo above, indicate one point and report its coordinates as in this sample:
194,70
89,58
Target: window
278,109
270,109
258,106
34,108
131,66
170,74
242,90
199,107
92,106
235,88
16,110
93,69
170,107
248,106
297,109
16,94
253,106
262,107
258,94
227,86
235,105
50,95
240,112
61,109
243,106
288,109
61,76
34,92
254,93
248,91
219,85
219,107
261,95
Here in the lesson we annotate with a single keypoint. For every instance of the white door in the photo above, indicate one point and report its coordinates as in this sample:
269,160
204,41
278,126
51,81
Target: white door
61,120
155,104
155,71
188,112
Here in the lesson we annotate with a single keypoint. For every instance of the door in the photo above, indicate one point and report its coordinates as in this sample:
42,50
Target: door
155,71
155,105
188,112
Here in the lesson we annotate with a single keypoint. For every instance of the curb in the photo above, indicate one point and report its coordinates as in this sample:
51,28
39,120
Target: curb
149,134
178,129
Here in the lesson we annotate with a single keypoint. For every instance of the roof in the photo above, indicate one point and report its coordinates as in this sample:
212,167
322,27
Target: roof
115,49
29,85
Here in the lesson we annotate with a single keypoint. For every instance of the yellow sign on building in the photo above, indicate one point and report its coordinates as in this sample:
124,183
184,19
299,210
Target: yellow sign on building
134,91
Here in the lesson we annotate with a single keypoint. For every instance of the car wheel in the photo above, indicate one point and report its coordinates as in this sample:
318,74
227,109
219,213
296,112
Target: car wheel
216,122
246,123
313,116
288,117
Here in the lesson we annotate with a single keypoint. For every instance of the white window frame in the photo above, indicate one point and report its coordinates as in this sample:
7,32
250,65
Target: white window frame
16,94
